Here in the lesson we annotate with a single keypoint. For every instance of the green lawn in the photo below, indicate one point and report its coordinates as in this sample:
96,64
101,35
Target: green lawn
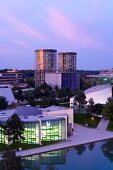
25,146
84,119
110,125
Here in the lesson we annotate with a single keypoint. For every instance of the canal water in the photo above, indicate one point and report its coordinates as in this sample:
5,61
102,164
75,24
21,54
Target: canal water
93,156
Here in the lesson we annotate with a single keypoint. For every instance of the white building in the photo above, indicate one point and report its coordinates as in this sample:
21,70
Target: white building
99,94
6,91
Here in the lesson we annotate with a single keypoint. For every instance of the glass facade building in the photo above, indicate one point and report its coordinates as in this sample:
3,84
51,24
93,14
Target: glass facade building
3,138
53,130
32,133
41,130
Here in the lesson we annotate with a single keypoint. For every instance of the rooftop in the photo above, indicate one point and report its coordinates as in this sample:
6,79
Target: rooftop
97,88
31,114
27,111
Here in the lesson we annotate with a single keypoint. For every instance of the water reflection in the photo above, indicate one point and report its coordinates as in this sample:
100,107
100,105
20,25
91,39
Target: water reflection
68,158
49,159
107,149
80,149
91,146
51,167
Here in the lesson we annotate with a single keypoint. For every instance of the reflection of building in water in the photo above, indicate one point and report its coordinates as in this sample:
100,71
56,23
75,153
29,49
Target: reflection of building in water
54,158
32,162
50,158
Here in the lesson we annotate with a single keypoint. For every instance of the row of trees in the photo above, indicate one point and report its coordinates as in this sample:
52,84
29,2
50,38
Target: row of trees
44,95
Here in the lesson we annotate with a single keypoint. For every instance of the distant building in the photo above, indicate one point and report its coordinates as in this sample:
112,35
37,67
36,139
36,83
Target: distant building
105,77
6,91
63,80
46,61
12,77
67,61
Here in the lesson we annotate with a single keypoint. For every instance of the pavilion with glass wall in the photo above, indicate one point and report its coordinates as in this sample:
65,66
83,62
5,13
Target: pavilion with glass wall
38,128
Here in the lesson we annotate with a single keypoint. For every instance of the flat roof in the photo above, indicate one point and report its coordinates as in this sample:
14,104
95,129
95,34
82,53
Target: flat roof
53,108
97,88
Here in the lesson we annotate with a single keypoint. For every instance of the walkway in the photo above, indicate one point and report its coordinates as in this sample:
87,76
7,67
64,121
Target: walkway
81,135
103,124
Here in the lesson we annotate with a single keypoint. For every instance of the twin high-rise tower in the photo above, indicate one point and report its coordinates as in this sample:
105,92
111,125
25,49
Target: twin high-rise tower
46,63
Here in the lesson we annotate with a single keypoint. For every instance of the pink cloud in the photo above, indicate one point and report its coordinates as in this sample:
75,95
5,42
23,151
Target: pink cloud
74,32
22,27
21,43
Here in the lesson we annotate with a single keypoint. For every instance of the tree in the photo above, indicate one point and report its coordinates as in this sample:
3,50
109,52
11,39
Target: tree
110,99
11,161
108,110
90,106
30,82
13,128
80,99
19,95
97,108
3,102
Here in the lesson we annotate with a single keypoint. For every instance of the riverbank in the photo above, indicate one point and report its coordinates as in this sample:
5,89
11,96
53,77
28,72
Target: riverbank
81,135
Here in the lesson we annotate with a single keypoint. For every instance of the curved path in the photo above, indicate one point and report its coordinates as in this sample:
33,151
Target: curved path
81,135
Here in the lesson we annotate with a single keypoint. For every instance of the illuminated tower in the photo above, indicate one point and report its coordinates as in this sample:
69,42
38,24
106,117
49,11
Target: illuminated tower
46,60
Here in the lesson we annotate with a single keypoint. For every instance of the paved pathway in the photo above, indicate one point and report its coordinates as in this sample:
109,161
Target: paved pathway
103,124
81,135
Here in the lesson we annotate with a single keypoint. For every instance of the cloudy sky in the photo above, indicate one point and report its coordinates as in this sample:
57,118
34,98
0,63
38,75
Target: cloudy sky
83,26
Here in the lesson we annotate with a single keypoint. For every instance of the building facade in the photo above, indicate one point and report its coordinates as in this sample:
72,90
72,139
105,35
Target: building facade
48,124
11,77
46,61
63,80
67,61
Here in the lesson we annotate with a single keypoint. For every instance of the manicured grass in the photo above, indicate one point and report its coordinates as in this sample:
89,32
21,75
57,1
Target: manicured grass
25,146
86,120
110,125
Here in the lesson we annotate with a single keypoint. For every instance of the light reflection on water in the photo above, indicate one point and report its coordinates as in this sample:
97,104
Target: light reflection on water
93,156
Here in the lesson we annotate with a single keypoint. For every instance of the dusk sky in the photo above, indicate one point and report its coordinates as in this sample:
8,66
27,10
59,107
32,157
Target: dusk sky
82,26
